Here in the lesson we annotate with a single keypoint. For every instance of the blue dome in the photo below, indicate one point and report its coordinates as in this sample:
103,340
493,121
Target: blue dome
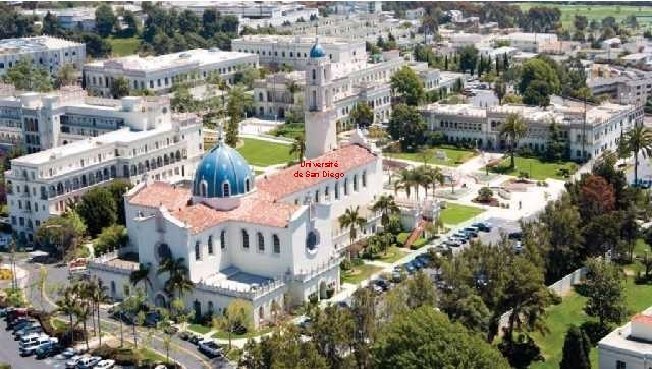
223,172
317,51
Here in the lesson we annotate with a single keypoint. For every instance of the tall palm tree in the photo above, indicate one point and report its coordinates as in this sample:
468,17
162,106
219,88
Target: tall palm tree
352,219
387,206
82,307
141,276
513,130
405,181
436,177
98,295
177,283
298,147
638,140
67,304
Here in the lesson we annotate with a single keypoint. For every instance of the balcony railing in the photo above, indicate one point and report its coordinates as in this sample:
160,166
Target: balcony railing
247,293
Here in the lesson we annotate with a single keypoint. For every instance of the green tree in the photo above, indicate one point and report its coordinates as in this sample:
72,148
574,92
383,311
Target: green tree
501,89
238,314
425,339
386,206
105,20
26,76
119,87
298,147
638,141
605,292
363,310
178,283
352,219
98,210
142,276
284,348
407,125
557,146
537,93
238,104
407,84
538,69
575,354
333,331
513,130
468,59
362,115
66,75
63,232
420,291
118,187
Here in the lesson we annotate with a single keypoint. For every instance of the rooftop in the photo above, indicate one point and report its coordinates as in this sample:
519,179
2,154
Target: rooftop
622,339
33,44
196,57
294,39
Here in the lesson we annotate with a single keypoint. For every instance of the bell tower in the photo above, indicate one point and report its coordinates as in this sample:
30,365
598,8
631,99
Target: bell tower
321,133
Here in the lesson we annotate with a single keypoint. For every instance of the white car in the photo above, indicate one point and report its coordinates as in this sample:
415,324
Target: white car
72,362
105,364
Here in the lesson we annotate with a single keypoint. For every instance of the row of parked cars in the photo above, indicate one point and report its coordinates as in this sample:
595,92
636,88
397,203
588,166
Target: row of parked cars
463,235
32,341
206,346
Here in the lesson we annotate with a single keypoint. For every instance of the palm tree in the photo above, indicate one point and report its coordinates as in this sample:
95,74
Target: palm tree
638,139
405,181
141,276
298,147
386,205
82,306
437,177
352,219
513,130
67,304
98,295
178,283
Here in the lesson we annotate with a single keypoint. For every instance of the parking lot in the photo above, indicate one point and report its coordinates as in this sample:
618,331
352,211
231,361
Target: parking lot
9,353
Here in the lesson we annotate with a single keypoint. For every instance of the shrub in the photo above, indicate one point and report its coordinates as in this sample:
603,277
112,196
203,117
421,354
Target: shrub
419,243
313,298
345,265
485,194
401,238
105,351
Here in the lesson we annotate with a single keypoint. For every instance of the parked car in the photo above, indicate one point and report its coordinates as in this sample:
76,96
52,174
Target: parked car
105,364
127,318
152,318
452,242
71,363
471,231
88,362
409,268
69,352
194,339
515,236
30,348
184,336
383,284
16,323
483,226
26,331
375,288
23,324
210,348
48,350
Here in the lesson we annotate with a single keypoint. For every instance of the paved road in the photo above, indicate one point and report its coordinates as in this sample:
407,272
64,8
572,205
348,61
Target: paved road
9,353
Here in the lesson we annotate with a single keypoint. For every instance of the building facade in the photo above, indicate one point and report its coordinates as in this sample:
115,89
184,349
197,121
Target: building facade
49,53
272,240
145,140
159,73
480,126
276,50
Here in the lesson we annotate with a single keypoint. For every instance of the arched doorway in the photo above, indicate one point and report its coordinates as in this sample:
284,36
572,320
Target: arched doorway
197,308
261,314
113,290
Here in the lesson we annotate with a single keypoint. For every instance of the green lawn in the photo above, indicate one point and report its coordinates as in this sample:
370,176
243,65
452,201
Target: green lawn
359,273
535,168
291,130
393,254
456,213
264,153
124,46
225,335
598,12
454,156
199,328
570,311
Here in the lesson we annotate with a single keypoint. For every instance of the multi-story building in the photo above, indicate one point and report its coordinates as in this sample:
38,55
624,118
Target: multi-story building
145,139
527,41
276,50
49,53
159,73
628,346
351,84
603,127
627,86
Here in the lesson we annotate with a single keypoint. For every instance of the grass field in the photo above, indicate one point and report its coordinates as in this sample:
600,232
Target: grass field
264,153
535,168
456,213
124,46
359,273
199,328
393,254
598,12
570,311
292,130
454,156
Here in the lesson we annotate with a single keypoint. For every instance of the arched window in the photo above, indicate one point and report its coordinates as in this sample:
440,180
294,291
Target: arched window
355,182
261,242
364,179
247,185
314,74
225,190
346,187
337,190
197,250
203,190
261,97
311,241
223,240
277,244
245,239
210,245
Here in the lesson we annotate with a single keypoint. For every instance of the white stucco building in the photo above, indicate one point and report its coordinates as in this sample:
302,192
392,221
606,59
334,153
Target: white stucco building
602,129
49,53
272,240
629,346
293,50
159,73
144,139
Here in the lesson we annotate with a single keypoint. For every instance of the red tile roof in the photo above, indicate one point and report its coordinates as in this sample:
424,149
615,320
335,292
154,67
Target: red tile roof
261,206
642,319
283,183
